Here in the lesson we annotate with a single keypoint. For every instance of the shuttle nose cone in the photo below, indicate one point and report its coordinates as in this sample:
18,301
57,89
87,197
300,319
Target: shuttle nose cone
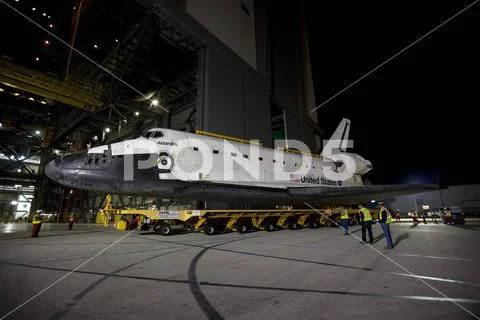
63,167
52,171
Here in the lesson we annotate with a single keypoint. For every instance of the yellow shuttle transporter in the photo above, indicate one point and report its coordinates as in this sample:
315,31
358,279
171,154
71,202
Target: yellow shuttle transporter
215,221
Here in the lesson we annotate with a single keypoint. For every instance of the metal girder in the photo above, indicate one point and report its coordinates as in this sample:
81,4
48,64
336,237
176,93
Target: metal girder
175,33
21,140
40,84
9,149
19,162
69,123
17,177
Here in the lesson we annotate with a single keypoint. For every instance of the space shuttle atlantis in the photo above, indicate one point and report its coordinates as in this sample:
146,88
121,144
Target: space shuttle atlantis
172,164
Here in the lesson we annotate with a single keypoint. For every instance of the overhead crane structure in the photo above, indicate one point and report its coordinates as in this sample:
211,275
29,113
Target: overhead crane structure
43,85
210,222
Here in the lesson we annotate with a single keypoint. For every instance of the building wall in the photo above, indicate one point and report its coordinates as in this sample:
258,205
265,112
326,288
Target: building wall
231,21
291,80
237,90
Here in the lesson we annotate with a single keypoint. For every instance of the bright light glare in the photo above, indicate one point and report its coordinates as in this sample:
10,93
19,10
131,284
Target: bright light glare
137,113
14,203
155,102
107,130
37,132
19,170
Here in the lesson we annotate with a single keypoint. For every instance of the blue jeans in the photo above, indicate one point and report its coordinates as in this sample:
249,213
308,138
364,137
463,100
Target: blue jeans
386,232
345,225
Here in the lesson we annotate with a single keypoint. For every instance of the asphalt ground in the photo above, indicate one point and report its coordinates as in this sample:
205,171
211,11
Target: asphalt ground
95,273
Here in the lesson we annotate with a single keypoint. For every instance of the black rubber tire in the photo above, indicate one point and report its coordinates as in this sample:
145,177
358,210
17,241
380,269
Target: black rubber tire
293,226
269,227
210,229
165,230
242,228
314,224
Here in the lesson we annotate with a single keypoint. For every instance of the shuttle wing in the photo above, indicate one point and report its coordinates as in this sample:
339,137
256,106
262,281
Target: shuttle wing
359,193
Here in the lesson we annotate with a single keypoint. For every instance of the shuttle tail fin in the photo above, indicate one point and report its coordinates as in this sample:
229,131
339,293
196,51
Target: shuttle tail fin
339,139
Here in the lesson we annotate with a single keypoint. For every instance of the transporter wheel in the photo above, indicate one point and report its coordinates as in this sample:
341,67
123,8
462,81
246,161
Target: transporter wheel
165,229
242,228
211,229
293,225
314,224
269,226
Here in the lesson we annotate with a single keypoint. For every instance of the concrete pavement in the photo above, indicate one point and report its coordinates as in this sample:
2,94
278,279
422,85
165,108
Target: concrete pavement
301,274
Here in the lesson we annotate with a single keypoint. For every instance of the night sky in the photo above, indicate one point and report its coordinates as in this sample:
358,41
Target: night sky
414,117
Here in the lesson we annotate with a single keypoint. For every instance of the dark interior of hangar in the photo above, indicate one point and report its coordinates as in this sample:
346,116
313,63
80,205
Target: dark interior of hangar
85,73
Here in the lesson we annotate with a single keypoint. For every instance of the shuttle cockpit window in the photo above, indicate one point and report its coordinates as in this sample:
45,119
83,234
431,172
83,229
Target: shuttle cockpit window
153,134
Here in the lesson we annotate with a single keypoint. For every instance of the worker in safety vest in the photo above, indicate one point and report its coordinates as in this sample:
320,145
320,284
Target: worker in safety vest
36,225
70,222
385,218
447,216
366,220
448,213
344,218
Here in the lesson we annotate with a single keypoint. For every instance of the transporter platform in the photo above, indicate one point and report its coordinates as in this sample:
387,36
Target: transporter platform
212,222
